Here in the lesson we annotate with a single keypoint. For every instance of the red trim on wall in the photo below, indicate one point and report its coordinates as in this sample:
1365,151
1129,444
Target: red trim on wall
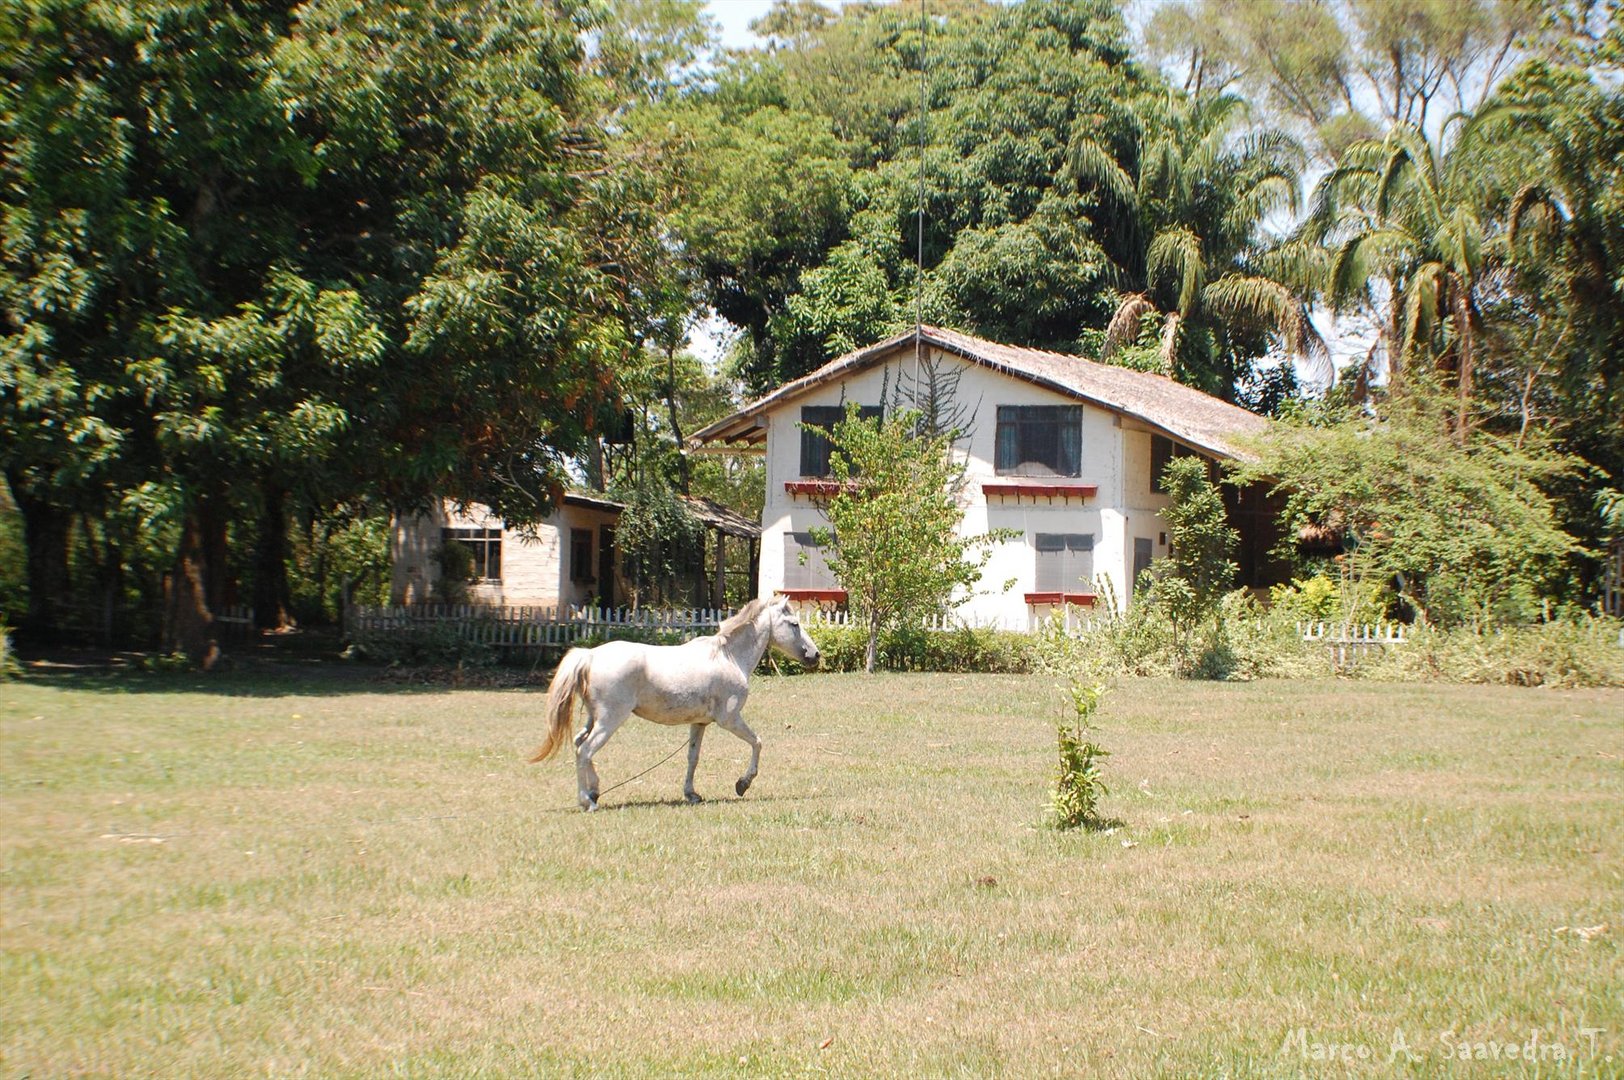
1081,599
1044,489
811,487
820,596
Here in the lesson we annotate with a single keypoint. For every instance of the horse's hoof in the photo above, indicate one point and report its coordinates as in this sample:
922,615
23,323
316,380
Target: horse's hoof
742,786
693,798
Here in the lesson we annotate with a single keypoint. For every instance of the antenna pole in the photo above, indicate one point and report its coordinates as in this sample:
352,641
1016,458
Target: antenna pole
919,252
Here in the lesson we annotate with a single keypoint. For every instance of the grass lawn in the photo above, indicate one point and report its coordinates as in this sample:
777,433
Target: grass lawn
303,875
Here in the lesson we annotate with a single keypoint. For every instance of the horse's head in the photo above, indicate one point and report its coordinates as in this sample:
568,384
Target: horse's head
789,636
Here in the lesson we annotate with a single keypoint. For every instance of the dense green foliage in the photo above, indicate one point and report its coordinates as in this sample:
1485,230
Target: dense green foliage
269,273
1463,532
255,256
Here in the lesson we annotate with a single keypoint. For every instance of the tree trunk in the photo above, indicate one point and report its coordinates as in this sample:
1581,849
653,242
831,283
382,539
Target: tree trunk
873,651
188,617
684,477
213,519
45,534
273,597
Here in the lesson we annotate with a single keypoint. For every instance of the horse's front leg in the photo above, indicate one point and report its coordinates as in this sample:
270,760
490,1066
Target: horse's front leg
603,724
696,735
734,723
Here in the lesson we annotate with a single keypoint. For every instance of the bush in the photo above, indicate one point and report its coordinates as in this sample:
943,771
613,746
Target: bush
966,649
431,645
1581,652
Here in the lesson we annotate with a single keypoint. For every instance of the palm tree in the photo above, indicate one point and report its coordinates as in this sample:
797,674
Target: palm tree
1182,215
1403,212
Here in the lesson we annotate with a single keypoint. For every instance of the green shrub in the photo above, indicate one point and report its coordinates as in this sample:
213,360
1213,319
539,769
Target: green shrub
966,649
428,645
1321,598
1581,652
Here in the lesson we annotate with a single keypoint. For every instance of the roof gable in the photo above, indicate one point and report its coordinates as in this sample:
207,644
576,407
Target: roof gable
1183,412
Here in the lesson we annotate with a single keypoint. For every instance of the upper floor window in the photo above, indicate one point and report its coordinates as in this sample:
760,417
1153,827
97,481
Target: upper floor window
485,545
815,445
1039,440
1163,452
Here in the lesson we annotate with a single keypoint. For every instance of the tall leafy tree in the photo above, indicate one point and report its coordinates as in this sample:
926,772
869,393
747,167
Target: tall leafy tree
805,173
1344,70
1464,529
256,252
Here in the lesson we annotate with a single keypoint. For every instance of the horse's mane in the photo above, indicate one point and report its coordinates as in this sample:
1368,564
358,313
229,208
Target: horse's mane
744,617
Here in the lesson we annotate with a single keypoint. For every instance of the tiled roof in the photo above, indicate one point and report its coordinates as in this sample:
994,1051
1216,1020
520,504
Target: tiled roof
1183,412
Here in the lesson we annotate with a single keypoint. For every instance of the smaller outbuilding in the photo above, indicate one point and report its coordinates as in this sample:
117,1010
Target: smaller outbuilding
568,560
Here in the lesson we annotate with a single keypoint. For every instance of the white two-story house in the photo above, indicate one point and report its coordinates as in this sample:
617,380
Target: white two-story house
1063,451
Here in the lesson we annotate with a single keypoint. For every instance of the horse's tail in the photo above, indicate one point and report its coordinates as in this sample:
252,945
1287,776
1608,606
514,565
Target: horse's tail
569,680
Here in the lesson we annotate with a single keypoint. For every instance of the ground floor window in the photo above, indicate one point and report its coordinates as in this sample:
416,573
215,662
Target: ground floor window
581,556
1065,562
805,563
485,545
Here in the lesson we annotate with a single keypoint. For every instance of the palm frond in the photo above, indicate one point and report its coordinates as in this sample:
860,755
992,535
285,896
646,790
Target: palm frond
1170,341
1375,253
1410,169
1532,203
1420,307
1297,263
1093,166
1160,174
1124,326
1269,303
1177,251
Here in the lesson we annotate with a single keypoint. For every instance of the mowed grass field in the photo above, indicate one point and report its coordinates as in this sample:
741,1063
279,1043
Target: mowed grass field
296,875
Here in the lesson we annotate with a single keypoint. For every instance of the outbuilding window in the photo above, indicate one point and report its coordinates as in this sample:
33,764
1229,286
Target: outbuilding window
485,545
581,556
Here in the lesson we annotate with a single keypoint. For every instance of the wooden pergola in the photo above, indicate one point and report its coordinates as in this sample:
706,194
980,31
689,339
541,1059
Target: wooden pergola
722,523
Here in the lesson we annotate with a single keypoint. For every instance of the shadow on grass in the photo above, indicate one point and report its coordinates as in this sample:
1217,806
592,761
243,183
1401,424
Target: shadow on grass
675,802
1092,825
262,679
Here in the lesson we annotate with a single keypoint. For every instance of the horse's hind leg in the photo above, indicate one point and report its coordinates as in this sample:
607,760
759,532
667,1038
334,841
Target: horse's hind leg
735,724
603,723
696,735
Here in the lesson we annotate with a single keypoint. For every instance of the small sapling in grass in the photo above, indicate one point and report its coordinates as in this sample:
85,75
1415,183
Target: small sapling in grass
1074,801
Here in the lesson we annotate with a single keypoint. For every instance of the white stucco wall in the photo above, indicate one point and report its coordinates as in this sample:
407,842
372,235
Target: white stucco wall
1123,508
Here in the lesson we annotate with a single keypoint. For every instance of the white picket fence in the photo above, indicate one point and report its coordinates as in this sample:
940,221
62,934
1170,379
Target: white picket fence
817,616
529,627
235,620
553,627
1348,644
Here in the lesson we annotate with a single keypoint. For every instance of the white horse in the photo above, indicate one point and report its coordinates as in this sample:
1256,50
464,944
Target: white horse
700,682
